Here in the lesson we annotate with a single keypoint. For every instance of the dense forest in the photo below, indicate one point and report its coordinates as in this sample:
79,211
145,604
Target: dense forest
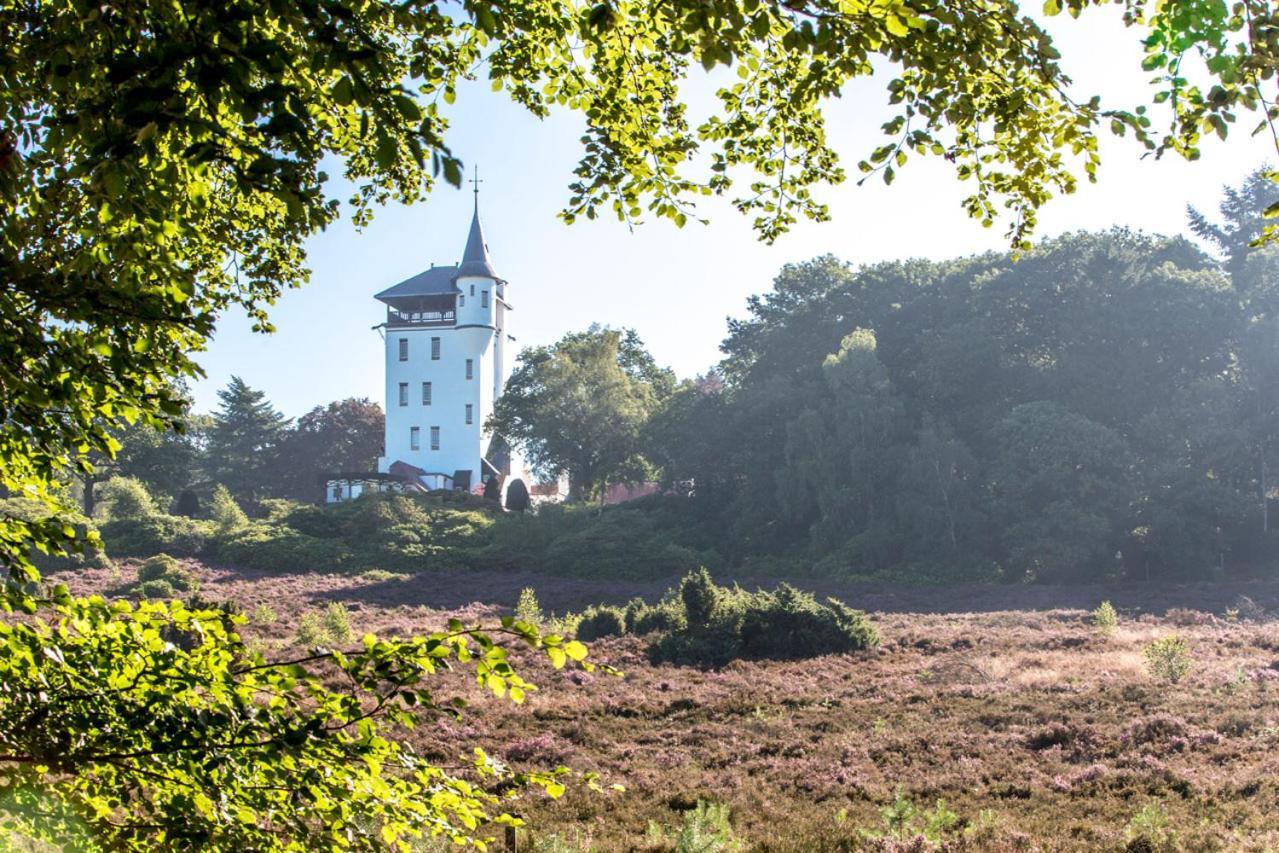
1104,406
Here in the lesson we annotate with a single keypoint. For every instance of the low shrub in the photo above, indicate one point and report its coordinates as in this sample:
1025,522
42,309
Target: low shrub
156,534
527,609
1168,658
331,628
703,623
337,622
601,621
123,498
643,618
788,623
704,829
225,512
275,547
155,589
168,576
155,568
1105,619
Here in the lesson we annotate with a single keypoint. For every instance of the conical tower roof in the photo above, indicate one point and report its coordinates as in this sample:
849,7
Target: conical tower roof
475,260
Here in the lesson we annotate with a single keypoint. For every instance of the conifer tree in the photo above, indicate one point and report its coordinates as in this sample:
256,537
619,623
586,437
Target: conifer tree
247,431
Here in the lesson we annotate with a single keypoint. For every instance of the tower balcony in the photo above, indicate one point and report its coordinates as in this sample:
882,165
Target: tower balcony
420,319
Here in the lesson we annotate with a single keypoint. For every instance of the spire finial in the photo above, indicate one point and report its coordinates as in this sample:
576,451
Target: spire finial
475,184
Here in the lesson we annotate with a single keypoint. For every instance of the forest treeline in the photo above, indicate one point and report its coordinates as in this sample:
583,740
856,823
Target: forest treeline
1104,406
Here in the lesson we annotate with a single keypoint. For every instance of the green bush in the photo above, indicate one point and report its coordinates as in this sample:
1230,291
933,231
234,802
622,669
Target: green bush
157,567
1168,658
224,512
704,829
155,534
165,570
337,623
124,498
332,628
93,556
155,589
788,623
527,609
701,597
723,624
1105,619
275,547
601,621
644,618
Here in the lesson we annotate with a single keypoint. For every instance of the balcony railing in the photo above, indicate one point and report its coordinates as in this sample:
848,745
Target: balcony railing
420,318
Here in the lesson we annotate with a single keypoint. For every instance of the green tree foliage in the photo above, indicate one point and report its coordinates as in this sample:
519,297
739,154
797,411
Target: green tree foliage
148,190
345,435
841,454
578,407
162,163
1060,492
124,498
225,512
246,434
895,451
180,750
1254,271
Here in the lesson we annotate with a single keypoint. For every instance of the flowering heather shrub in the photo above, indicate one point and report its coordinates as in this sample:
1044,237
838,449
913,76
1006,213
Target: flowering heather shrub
1184,617
543,749
1168,658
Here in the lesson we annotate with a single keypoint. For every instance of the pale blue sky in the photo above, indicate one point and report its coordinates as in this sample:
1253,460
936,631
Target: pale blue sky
676,287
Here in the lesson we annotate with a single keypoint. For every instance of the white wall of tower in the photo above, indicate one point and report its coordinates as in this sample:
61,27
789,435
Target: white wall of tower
473,338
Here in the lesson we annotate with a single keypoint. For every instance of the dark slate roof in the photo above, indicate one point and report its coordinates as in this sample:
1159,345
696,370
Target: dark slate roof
440,281
475,260
437,281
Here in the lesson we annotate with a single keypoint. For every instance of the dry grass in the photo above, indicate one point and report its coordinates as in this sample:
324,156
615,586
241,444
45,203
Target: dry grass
1039,731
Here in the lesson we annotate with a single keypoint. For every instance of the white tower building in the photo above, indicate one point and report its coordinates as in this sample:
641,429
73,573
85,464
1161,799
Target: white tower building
446,337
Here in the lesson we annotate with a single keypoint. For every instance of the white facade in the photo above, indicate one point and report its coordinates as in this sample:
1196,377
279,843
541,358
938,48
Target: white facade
445,337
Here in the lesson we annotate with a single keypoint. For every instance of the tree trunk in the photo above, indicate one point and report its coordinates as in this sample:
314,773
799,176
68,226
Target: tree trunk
90,501
1265,500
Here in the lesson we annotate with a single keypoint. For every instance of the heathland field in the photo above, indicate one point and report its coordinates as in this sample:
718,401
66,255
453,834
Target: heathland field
991,718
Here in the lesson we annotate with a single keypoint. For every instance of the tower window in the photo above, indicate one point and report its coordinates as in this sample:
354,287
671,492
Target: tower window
470,368
470,413
415,438
435,349
435,438
404,393
461,300
472,290
404,349
484,298
426,393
